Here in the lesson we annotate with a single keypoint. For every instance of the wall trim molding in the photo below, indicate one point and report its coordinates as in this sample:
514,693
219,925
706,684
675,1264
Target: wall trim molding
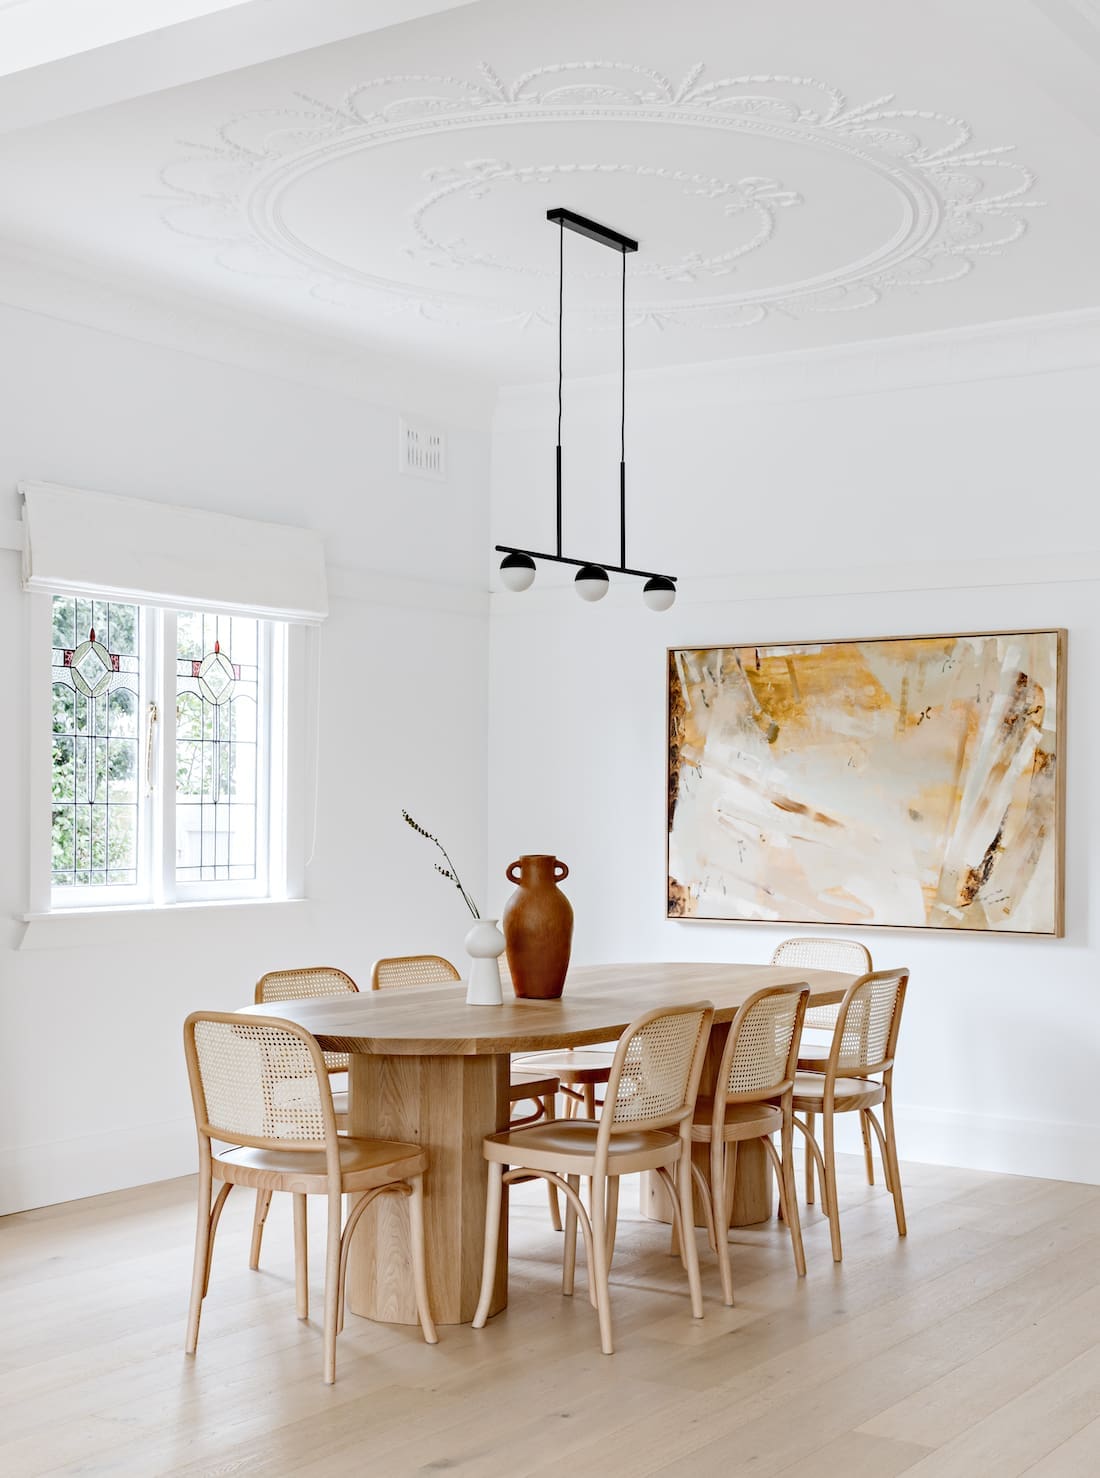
872,579
1048,1150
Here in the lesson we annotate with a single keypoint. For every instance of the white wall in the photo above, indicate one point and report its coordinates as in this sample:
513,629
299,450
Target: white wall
92,1088
918,508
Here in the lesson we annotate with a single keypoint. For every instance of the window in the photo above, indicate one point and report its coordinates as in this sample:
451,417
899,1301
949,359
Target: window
168,755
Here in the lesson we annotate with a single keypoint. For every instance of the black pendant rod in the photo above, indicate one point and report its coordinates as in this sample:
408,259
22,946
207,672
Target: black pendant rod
622,436
564,559
561,308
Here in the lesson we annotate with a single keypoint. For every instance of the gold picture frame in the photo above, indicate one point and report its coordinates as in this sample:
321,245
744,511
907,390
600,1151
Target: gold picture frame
870,782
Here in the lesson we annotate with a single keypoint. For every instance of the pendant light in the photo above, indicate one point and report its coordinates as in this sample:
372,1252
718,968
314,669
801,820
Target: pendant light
517,568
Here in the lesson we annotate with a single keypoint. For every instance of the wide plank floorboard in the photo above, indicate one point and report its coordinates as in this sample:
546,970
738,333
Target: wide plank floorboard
970,1348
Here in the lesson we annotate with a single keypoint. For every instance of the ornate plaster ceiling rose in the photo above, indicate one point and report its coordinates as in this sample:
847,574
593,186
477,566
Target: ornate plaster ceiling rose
756,195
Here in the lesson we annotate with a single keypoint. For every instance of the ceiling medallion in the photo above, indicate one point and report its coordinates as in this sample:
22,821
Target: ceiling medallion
953,203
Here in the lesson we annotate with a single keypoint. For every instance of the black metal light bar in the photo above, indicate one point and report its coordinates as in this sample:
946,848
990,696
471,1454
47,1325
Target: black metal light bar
592,229
518,565
564,559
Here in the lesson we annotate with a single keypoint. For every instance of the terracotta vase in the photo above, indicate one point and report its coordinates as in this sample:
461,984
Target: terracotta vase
538,927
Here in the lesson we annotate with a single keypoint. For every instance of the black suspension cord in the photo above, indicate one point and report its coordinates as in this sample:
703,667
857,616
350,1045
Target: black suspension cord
622,434
561,311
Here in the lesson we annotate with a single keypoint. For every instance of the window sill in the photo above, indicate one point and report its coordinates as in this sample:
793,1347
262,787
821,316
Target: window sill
81,928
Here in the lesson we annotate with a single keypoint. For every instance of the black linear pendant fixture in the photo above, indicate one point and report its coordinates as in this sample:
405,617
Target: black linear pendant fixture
517,568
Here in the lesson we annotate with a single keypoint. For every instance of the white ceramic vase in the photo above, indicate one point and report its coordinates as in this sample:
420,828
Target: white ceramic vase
484,945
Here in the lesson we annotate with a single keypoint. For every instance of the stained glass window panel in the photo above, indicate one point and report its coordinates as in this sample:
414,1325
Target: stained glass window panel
218,679
95,662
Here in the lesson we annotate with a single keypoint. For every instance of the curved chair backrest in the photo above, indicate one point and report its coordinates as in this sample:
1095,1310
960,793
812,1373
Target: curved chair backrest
259,1081
866,1032
404,972
655,1071
847,955
761,1052
302,985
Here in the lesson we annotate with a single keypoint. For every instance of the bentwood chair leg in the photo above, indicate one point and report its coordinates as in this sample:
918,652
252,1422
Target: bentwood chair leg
810,1161
687,1217
718,1158
868,1158
259,1216
597,1273
569,1251
729,1188
419,1259
301,1255
612,1216
215,1217
493,1203
831,1202
787,1201
549,1108
893,1168
332,1280
202,1255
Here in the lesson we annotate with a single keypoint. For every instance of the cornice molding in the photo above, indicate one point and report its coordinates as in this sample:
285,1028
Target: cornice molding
1046,344
57,288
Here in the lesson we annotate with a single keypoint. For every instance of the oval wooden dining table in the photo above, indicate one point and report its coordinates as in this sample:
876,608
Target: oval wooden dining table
428,1069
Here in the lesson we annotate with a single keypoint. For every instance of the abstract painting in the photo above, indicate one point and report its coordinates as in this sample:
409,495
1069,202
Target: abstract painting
907,781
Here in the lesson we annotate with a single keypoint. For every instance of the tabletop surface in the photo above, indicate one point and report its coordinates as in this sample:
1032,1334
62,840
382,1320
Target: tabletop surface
599,1003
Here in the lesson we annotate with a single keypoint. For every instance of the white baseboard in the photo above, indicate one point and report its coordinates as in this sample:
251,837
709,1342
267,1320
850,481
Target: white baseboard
90,1164
1043,1148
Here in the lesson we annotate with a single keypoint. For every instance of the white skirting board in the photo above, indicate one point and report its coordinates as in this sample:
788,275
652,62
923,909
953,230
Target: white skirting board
90,1164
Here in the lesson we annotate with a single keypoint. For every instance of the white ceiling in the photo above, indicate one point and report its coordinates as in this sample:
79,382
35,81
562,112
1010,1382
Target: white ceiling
799,175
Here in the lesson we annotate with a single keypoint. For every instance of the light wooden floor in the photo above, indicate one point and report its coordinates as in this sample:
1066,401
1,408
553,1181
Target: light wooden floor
971,1349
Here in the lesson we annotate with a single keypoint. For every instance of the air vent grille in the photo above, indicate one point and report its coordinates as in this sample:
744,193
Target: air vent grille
422,450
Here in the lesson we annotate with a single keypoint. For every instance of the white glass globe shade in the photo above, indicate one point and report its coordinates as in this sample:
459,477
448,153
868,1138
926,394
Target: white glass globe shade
517,572
659,593
591,582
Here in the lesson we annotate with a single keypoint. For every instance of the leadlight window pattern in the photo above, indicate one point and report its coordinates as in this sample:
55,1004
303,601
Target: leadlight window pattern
218,674
96,662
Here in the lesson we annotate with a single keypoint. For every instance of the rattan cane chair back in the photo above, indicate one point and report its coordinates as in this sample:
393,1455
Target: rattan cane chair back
302,985
656,1069
406,972
847,955
866,1032
762,1048
258,1082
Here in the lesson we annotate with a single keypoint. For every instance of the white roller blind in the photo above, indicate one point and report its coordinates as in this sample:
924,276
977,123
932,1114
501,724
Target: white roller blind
161,555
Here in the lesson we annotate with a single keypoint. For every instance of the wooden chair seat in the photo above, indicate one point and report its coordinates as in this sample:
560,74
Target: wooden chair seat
572,1066
851,1094
743,1120
364,1164
573,1142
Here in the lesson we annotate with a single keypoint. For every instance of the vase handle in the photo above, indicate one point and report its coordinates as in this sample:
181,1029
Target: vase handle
510,872
563,874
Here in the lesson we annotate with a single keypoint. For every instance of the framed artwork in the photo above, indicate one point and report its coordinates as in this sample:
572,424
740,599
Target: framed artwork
902,781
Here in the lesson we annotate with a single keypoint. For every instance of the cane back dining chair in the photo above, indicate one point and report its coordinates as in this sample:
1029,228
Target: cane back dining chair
858,1077
853,958
261,1086
529,1084
302,984
645,1125
752,1101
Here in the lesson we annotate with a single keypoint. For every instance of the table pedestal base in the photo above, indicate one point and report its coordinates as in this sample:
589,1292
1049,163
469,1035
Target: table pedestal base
752,1188
448,1105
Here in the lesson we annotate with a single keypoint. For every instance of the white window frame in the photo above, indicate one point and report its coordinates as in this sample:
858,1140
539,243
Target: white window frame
288,656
